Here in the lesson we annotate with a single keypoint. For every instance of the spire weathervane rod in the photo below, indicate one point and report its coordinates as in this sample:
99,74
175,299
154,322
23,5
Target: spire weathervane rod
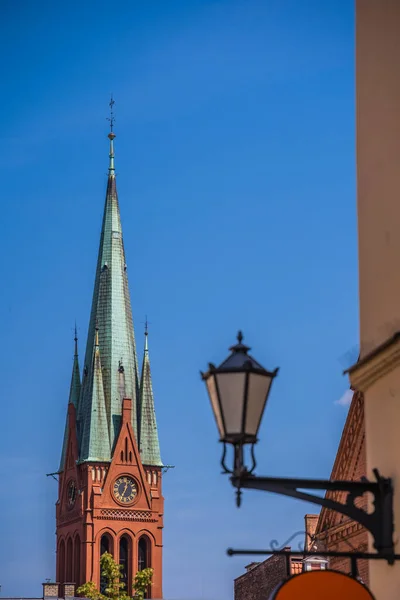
76,339
111,118
111,137
146,333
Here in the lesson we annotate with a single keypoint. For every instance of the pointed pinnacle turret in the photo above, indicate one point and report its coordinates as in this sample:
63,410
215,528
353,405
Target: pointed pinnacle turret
149,444
95,444
74,392
75,388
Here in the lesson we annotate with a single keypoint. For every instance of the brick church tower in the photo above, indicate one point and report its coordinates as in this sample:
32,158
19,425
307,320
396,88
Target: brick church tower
109,495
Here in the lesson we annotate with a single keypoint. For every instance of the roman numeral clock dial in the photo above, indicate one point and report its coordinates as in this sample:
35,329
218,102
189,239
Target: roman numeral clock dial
125,489
71,493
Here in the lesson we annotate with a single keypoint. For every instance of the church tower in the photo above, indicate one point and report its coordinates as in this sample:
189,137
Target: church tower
109,496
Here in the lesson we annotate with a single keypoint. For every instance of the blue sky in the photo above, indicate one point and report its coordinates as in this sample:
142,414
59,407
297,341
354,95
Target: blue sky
236,178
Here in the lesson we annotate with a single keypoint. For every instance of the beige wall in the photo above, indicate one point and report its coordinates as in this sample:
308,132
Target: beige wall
378,167
383,452
378,199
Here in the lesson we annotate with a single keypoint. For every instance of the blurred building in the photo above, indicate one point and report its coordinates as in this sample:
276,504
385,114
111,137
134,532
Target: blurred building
328,531
262,578
336,531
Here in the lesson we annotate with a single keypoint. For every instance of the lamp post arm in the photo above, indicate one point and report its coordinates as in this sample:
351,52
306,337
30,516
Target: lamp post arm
379,522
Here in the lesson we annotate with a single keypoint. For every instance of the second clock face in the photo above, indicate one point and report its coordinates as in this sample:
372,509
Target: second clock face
125,489
71,494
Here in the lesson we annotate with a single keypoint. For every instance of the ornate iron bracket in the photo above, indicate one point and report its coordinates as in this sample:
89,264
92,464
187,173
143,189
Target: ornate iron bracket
379,522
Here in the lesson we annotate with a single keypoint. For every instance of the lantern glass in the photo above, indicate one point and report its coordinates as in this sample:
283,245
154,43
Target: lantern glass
212,392
238,391
257,395
231,393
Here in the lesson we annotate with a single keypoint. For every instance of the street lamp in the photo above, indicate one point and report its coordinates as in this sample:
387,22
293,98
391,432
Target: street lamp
238,391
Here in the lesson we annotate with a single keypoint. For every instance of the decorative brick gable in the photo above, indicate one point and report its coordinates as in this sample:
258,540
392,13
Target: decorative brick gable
338,532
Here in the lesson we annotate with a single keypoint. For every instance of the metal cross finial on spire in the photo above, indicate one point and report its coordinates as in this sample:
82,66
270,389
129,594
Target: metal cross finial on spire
146,326
111,137
111,118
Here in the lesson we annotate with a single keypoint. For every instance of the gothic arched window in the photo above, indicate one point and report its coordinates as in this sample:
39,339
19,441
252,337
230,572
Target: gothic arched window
68,566
144,557
77,561
61,562
125,562
105,546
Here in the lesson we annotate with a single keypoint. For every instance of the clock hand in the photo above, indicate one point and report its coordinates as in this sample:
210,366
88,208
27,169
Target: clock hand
126,487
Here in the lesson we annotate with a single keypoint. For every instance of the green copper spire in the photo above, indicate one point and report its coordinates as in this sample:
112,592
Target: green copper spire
148,439
111,310
74,391
95,443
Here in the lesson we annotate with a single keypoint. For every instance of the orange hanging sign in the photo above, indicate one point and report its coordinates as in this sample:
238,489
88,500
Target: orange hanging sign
322,585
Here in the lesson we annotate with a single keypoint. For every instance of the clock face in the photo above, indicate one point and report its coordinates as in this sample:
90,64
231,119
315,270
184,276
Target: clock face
71,493
125,489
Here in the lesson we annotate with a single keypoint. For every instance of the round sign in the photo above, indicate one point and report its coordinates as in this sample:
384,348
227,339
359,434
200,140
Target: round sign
322,585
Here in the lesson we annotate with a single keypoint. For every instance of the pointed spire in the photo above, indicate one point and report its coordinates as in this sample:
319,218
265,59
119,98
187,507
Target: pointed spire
149,444
74,392
95,443
111,310
75,387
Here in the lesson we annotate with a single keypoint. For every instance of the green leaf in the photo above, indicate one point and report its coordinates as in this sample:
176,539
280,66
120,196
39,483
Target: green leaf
141,583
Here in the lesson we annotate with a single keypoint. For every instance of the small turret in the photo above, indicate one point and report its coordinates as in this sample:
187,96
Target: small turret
74,392
95,443
149,444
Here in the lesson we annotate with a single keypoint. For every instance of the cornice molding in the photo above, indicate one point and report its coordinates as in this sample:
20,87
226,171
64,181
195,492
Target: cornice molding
120,514
376,364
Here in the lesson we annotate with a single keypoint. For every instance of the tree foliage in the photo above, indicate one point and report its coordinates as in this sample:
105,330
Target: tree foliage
114,589
111,572
141,583
89,590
